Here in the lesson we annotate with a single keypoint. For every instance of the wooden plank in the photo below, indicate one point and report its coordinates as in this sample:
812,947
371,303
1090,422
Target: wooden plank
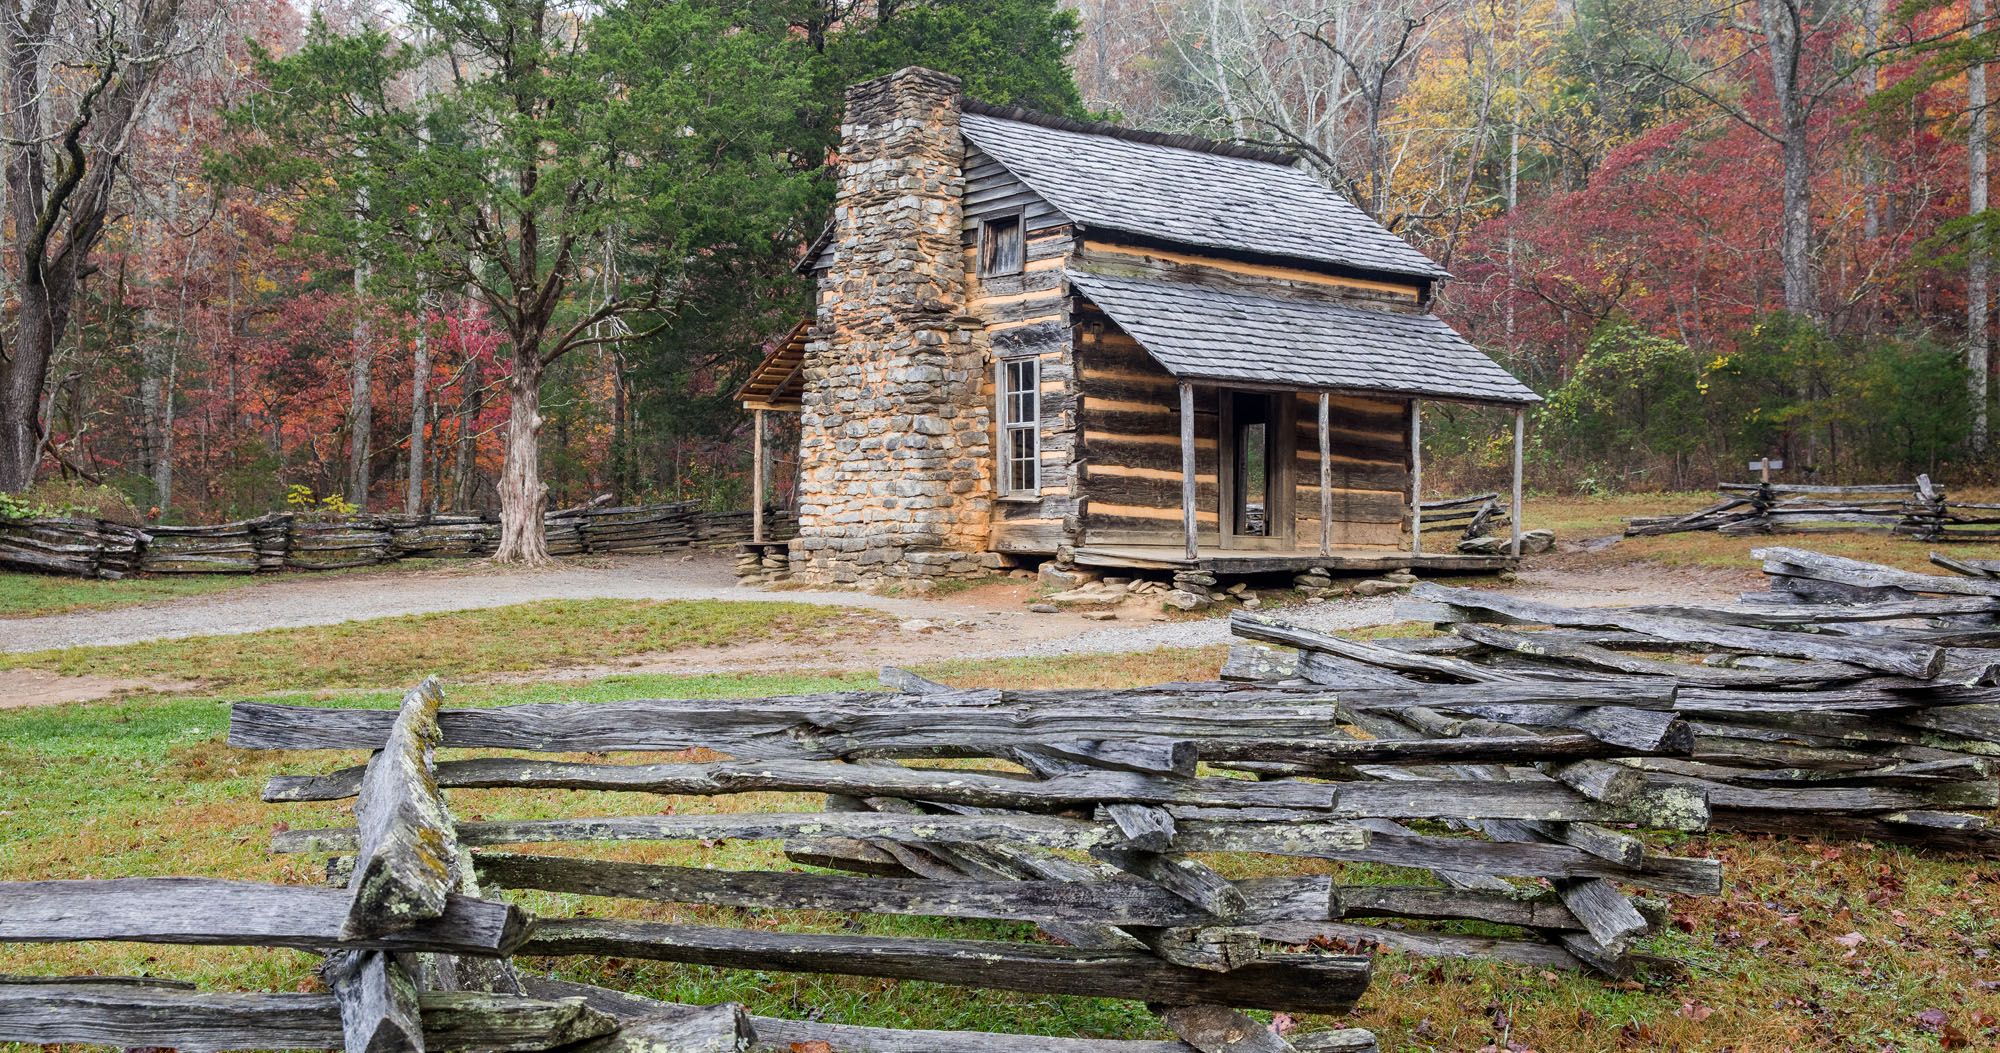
1568,651
133,1015
1293,983
1255,626
1428,944
1107,901
377,1000
679,1029
1517,513
1083,787
1325,475
890,724
1701,877
1290,838
1920,661
781,1035
403,868
1409,901
1844,571
1331,754
1546,801
1190,528
213,912
1416,477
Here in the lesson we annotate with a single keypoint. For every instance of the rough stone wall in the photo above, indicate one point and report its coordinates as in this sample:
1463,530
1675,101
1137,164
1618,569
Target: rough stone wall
895,450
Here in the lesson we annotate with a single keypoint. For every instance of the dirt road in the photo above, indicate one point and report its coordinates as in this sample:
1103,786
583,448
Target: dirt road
998,607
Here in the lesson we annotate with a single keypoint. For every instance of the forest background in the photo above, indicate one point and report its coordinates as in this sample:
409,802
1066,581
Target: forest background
466,254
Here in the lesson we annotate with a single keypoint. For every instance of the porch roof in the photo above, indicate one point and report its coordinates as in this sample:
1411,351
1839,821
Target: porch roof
774,383
1202,333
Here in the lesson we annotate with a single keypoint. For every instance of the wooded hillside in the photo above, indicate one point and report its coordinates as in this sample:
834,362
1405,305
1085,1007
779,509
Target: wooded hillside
250,249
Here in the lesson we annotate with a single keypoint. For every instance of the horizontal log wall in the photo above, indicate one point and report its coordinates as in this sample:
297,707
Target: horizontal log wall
1131,454
1027,316
1370,461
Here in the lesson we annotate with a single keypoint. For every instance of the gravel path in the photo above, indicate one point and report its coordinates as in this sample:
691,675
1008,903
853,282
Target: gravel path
339,598
986,622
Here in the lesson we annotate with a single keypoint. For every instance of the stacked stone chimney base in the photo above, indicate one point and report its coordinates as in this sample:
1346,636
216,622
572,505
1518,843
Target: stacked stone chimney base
896,424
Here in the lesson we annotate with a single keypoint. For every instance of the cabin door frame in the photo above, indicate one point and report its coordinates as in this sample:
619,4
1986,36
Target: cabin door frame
1239,412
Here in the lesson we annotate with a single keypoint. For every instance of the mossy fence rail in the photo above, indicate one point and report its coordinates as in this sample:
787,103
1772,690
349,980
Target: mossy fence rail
1919,510
98,548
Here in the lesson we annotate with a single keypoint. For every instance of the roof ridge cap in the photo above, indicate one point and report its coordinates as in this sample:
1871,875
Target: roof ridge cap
1173,140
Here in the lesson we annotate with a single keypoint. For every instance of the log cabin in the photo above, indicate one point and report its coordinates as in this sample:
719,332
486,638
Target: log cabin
1042,338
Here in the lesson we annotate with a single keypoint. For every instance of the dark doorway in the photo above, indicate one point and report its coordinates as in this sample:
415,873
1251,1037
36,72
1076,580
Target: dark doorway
1256,512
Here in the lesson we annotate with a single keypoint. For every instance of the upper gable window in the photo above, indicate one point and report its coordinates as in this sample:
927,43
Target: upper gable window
1001,249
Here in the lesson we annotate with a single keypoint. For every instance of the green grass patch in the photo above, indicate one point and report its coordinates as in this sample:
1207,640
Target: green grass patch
1576,518
25,595
389,651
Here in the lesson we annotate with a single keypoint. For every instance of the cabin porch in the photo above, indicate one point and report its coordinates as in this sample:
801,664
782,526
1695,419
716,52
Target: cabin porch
1238,562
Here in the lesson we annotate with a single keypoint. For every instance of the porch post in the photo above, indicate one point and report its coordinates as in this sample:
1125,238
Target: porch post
1416,478
1187,469
757,477
1325,478
1520,433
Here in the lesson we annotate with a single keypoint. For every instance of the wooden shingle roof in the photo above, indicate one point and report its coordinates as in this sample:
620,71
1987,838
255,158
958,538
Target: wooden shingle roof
775,382
1203,333
1186,192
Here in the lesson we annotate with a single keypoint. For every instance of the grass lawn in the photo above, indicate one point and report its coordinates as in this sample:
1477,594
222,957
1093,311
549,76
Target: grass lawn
23,595
1813,946
1576,518
26,595
387,651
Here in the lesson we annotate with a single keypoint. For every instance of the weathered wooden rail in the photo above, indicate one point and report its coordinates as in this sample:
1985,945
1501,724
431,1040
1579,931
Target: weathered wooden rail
1849,699
416,958
1471,516
1919,510
96,548
1108,773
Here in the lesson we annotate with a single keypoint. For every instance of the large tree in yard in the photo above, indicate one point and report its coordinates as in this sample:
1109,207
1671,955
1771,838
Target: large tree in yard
75,79
555,146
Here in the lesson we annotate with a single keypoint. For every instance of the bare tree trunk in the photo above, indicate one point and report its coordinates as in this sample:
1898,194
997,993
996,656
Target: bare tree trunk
621,432
523,497
156,398
468,423
1871,160
62,151
361,405
1978,284
1783,38
420,374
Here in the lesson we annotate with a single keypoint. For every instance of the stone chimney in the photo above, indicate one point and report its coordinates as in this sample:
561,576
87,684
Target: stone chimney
895,426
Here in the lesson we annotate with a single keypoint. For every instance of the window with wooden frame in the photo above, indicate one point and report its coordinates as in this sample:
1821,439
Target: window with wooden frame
1002,248
1019,385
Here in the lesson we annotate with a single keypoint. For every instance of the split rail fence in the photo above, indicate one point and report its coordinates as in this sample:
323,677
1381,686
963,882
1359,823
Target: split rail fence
97,548
1918,510
418,957
1470,517
1847,699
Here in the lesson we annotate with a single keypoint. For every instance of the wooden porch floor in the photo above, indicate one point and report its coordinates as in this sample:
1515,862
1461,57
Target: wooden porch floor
1247,561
